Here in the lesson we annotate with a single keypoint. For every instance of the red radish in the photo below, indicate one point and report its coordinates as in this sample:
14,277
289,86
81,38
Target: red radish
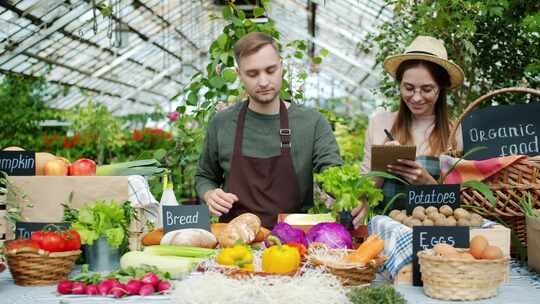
164,286
147,290
105,286
118,291
133,287
92,289
151,278
78,288
64,287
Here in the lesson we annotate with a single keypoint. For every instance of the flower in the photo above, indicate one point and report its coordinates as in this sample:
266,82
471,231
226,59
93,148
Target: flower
173,116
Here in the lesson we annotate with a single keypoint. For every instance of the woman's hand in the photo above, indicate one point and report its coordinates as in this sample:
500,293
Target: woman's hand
412,171
359,214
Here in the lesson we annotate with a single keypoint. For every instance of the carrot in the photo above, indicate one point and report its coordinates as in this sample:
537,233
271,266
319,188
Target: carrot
370,240
367,254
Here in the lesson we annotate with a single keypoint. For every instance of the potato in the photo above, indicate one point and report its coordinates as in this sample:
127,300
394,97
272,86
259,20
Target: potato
461,213
416,222
451,221
408,221
463,222
393,214
419,209
400,217
431,209
428,222
419,213
441,221
446,210
476,220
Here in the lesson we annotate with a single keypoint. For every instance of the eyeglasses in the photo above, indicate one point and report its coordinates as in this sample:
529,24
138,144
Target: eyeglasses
427,91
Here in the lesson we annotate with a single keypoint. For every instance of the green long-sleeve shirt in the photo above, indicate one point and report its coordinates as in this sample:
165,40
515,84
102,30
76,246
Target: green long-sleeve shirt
313,146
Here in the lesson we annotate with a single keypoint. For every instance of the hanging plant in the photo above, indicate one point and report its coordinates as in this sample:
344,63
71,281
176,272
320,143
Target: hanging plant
219,81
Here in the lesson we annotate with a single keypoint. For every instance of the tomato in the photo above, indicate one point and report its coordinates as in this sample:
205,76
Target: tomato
18,244
53,241
72,240
37,236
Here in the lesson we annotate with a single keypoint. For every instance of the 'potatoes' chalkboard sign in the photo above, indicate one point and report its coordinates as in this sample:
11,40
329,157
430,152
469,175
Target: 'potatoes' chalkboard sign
181,217
432,195
18,163
504,130
425,237
24,230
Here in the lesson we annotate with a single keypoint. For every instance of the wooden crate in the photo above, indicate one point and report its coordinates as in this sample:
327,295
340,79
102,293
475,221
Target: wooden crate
497,235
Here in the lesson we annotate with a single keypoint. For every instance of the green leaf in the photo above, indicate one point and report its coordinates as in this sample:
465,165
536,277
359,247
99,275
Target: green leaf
483,189
217,82
298,55
317,60
229,75
181,109
159,154
386,176
222,40
284,95
258,12
323,53
192,99
227,12
224,57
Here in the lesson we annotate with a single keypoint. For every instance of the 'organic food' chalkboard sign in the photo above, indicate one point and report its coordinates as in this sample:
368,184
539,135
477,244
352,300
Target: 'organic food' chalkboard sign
18,163
181,217
432,195
503,130
425,237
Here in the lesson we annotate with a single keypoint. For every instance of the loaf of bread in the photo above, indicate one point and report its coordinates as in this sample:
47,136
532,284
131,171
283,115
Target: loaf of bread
190,237
244,227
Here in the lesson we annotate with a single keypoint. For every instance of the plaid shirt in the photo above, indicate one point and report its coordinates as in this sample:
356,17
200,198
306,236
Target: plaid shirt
391,187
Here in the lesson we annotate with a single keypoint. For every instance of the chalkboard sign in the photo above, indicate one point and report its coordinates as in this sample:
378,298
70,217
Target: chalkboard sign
23,230
504,130
432,195
18,163
181,217
425,237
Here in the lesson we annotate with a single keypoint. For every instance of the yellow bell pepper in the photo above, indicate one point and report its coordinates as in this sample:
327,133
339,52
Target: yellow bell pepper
280,258
239,255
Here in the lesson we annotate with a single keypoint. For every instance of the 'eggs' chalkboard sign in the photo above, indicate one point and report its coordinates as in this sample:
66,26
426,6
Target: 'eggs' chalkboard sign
181,217
503,130
432,195
425,237
18,163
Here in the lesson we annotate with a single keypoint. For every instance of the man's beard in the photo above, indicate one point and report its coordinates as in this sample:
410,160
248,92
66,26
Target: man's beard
265,99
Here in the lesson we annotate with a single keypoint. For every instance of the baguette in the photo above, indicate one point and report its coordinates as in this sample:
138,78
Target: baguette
190,237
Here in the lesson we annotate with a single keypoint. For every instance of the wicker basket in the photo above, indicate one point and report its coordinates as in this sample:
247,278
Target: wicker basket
40,268
460,279
347,273
509,185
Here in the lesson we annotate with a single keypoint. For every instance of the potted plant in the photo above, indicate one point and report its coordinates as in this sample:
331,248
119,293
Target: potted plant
103,227
349,188
532,222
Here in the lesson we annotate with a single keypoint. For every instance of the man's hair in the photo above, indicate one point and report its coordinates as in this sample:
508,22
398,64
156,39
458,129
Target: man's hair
251,44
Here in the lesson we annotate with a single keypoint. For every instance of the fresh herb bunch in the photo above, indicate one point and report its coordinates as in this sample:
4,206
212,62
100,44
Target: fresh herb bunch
348,187
102,218
384,294
123,275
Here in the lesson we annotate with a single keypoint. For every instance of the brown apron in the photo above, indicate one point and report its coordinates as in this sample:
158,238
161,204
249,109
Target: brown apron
264,186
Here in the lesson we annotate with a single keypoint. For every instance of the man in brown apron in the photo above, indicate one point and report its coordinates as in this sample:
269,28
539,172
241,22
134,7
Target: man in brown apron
259,155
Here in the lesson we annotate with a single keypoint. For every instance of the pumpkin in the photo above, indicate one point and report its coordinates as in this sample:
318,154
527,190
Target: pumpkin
41,159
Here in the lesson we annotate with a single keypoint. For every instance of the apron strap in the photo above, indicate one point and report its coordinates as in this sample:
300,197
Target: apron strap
284,131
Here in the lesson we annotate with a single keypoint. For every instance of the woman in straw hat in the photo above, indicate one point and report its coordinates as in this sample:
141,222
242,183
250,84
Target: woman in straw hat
424,75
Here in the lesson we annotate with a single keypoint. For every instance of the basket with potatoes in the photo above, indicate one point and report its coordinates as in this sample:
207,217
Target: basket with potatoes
475,273
443,216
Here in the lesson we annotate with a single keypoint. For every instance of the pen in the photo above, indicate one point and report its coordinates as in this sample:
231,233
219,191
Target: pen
389,135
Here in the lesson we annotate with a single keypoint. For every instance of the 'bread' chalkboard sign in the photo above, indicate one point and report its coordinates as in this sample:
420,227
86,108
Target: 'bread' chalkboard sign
182,217
504,130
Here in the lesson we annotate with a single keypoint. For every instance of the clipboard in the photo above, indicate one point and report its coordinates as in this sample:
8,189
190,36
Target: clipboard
384,155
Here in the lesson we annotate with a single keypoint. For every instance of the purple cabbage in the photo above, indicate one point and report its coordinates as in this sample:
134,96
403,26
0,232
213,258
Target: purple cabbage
287,234
332,235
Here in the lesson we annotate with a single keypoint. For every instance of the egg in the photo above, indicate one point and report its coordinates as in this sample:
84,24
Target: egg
466,256
445,250
492,253
477,246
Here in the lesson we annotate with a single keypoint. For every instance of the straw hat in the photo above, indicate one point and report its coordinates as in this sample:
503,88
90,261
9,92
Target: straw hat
429,49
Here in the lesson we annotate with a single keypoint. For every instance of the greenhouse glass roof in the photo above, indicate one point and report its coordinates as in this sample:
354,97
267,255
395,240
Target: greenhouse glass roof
147,50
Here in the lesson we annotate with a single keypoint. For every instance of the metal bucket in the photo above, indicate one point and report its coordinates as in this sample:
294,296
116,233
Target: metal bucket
101,257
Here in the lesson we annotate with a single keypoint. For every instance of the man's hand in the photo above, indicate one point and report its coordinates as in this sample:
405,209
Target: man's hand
219,202
359,214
